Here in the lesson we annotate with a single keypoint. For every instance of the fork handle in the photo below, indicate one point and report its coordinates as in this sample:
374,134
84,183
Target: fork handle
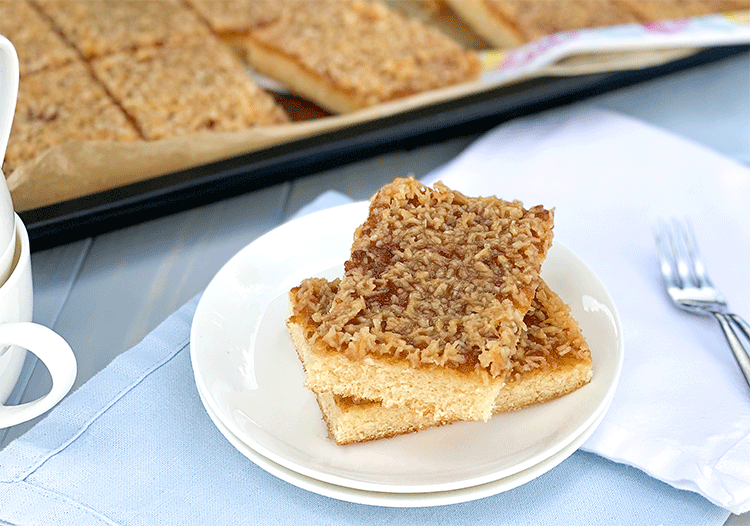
740,354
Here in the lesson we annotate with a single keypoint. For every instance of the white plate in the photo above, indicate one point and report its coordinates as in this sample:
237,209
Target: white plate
246,367
399,500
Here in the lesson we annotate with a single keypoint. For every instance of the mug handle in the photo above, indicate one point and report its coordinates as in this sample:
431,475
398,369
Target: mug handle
56,355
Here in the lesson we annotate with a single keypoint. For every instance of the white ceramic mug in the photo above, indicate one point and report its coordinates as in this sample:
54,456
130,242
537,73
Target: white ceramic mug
8,97
7,254
18,334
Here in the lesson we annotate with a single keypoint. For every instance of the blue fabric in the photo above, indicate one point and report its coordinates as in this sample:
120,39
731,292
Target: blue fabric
134,446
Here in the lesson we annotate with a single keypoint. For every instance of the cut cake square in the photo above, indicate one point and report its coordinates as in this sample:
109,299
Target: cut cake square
233,20
62,105
37,44
553,359
509,23
237,17
182,89
103,27
654,10
431,304
346,55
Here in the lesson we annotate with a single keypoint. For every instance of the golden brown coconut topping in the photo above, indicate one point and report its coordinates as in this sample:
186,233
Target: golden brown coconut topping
436,277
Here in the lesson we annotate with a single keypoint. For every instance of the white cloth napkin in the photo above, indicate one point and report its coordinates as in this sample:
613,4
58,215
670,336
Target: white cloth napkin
682,409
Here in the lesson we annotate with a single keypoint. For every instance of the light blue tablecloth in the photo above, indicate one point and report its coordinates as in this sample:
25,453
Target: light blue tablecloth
134,446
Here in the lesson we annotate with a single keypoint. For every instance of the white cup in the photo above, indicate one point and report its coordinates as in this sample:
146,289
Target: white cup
8,97
19,335
6,255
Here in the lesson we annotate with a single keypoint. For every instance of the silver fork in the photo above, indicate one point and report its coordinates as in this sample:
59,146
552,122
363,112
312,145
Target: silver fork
690,288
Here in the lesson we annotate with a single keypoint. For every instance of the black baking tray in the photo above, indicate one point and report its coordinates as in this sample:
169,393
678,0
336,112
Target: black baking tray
101,212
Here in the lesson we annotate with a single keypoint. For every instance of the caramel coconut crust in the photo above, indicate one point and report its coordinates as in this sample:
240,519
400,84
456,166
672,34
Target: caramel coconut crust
438,278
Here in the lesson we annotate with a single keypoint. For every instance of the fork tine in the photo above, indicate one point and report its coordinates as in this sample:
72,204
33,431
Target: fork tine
698,268
664,253
681,254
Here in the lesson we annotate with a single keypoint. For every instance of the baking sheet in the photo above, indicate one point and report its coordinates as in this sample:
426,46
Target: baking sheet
322,146
79,189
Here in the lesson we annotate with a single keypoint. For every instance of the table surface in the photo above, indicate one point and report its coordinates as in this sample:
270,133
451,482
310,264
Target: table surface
104,294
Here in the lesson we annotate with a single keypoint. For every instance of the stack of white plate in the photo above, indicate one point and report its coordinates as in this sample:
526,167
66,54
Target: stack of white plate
252,384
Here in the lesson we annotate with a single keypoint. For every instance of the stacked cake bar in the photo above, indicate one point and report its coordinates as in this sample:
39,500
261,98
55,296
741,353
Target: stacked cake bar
441,315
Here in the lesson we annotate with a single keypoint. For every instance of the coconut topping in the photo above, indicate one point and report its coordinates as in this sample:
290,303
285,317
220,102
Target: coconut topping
436,277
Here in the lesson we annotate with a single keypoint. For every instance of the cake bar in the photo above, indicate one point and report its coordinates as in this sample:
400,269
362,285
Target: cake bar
175,90
350,54
654,10
553,359
238,17
62,105
37,44
102,27
431,305
510,23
